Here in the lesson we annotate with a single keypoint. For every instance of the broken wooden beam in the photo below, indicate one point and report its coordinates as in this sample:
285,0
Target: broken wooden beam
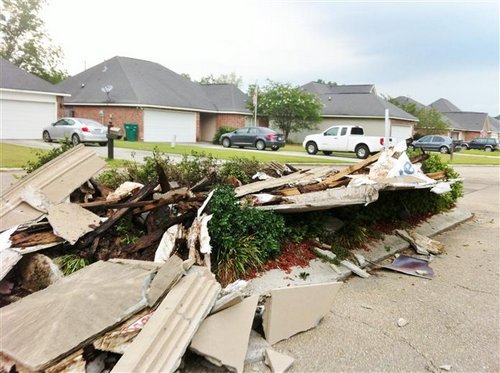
349,170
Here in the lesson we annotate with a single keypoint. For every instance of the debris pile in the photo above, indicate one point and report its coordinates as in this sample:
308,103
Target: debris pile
149,294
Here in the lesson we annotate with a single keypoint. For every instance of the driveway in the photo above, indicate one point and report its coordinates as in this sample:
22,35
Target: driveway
452,319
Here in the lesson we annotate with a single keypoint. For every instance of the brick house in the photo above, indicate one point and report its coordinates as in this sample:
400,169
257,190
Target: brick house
466,125
161,102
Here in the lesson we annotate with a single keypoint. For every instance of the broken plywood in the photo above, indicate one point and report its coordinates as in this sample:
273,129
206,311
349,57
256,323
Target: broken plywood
422,244
55,179
70,313
278,362
293,310
292,179
164,339
223,337
71,221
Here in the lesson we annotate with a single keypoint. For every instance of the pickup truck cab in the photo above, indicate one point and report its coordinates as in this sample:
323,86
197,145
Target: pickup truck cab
343,139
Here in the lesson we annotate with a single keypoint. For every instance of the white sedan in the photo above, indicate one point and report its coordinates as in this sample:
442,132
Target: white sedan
77,130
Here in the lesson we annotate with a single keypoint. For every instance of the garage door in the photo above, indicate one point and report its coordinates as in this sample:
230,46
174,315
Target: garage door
162,125
401,132
25,119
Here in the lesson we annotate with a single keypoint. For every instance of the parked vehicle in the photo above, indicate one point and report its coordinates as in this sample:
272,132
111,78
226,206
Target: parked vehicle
481,143
344,139
437,143
258,137
77,130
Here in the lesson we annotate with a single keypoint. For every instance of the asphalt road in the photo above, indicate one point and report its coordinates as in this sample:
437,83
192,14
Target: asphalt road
452,319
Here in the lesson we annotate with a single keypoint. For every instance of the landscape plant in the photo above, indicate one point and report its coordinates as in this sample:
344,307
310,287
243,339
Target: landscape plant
44,156
220,132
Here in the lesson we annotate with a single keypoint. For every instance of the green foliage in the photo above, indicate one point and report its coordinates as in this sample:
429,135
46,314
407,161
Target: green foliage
291,109
24,40
241,168
300,227
220,132
243,238
43,157
70,263
330,83
430,120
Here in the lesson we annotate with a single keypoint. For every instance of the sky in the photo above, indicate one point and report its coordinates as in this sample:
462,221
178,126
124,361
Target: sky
422,49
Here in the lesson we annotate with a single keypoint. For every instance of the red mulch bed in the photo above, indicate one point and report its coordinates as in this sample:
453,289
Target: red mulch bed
292,254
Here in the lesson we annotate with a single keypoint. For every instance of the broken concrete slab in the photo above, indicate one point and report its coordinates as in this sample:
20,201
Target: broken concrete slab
55,179
70,313
71,221
166,277
227,301
278,362
164,339
223,337
296,309
355,269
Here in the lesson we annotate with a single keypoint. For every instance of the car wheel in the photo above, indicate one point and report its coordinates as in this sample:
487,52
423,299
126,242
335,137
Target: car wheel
226,142
260,145
444,150
46,136
75,139
488,149
274,148
103,143
464,147
362,152
311,148
327,152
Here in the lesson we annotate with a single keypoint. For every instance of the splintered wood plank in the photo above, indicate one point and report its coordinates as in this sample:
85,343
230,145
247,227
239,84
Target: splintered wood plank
349,170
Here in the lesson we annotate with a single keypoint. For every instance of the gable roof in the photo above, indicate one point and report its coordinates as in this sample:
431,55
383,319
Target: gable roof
13,77
365,103
494,124
226,97
444,106
467,120
132,81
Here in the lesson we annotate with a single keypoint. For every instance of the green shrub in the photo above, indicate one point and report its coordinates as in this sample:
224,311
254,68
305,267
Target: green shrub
241,168
243,238
45,157
70,263
220,132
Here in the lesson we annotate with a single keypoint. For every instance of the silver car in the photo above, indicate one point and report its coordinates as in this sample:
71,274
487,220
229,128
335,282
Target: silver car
77,130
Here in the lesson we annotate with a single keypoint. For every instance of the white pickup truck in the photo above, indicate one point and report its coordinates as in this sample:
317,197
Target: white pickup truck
344,139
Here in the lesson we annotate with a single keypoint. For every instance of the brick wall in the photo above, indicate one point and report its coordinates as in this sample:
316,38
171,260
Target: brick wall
230,120
120,115
60,107
469,135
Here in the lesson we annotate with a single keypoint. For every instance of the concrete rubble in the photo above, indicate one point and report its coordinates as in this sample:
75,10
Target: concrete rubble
145,298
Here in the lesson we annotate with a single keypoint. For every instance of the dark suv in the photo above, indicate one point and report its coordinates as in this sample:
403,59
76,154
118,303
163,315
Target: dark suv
481,143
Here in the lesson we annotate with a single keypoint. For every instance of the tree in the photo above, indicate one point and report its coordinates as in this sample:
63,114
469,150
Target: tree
231,78
24,40
290,108
429,119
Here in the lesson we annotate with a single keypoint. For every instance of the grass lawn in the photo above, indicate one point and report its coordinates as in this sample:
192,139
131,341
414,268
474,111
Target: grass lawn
222,153
14,156
461,159
480,152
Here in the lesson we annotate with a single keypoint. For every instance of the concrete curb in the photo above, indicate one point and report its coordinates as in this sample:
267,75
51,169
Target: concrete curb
393,244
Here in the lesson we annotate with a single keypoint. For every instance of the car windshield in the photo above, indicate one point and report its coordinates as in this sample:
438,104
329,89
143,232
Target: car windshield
90,122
